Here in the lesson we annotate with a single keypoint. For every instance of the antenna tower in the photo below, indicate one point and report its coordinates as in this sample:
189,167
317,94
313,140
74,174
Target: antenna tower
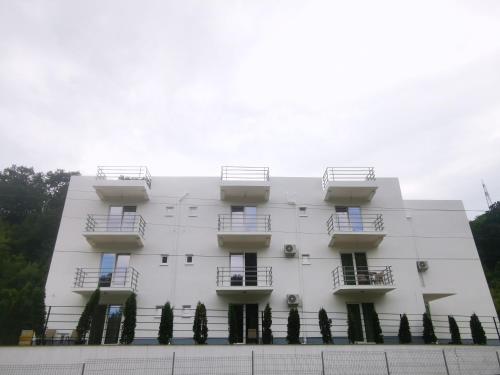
487,195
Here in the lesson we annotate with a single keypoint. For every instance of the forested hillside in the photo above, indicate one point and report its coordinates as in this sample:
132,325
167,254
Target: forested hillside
31,205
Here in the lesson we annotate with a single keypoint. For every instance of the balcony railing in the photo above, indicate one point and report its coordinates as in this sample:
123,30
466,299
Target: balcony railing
124,173
251,223
348,174
350,275
133,223
244,276
229,173
338,223
120,277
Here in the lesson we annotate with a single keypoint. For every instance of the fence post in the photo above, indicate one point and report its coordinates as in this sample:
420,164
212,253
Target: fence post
45,326
496,327
173,363
445,363
253,366
83,368
387,363
322,363
498,359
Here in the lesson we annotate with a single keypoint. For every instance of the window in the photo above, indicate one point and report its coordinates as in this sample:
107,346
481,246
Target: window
164,260
189,259
193,211
303,211
306,259
186,311
169,211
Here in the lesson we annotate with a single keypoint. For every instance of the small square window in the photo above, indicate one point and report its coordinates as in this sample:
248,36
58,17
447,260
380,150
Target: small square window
193,211
189,259
186,311
169,211
306,259
164,260
303,211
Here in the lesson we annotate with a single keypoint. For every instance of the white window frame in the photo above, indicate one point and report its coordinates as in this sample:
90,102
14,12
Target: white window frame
303,211
161,259
306,259
186,259
170,211
193,211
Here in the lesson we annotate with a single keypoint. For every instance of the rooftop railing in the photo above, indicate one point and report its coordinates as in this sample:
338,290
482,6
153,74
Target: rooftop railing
125,173
120,277
350,275
338,223
231,173
348,174
116,223
244,276
250,223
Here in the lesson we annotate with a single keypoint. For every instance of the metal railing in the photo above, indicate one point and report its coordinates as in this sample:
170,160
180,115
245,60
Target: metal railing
125,173
119,277
245,276
348,174
350,275
249,223
229,173
116,223
355,223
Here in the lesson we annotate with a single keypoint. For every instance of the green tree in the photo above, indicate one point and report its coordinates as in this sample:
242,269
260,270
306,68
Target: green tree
165,332
377,330
267,333
428,335
233,325
129,320
351,328
404,333
200,325
325,325
88,316
454,331
293,327
477,331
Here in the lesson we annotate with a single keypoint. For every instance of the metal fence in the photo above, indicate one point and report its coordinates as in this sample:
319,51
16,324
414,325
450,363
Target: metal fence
348,174
244,223
244,276
119,277
233,173
127,223
355,223
340,362
362,275
124,173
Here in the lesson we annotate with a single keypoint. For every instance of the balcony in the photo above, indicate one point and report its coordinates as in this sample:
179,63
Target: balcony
366,231
245,184
245,280
130,184
117,231
356,280
248,231
118,281
354,184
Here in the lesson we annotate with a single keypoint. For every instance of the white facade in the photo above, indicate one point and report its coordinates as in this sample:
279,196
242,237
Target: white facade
350,212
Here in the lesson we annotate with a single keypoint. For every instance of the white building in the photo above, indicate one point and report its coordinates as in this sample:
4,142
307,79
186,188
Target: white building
344,241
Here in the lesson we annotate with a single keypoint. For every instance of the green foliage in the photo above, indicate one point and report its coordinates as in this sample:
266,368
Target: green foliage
87,318
404,333
293,327
200,327
233,324
129,320
454,331
351,330
377,330
165,332
267,333
325,325
428,335
477,331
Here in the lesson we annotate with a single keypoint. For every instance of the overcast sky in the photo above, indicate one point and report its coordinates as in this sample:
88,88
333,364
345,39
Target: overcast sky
411,88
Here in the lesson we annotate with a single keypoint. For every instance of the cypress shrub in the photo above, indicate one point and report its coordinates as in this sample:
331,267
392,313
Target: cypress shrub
428,335
351,331
233,325
200,328
377,330
267,333
129,320
88,315
293,327
165,332
325,325
404,334
477,331
454,331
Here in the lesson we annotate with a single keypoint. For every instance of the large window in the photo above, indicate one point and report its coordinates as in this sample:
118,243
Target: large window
349,218
121,218
114,269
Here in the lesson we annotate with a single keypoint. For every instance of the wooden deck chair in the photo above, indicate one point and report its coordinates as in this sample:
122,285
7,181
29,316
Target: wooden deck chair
26,337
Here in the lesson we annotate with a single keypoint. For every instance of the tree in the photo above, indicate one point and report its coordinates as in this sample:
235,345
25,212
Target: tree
233,325
267,333
200,328
377,330
428,335
325,325
454,331
404,334
165,332
351,328
477,331
293,327
87,317
129,320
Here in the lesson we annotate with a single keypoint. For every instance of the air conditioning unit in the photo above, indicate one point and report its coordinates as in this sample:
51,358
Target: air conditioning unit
290,250
292,299
422,265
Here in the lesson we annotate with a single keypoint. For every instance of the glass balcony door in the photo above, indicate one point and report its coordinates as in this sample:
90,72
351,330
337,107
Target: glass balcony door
355,269
244,218
349,219
243,269
121,218
113,271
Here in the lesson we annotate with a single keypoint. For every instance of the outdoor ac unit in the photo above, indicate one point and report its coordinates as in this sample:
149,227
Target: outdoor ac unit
422,265
292,299
289,250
